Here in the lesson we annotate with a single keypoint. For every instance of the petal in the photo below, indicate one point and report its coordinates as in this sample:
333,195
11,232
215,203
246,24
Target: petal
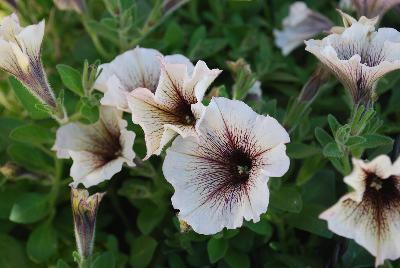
9,27
115,95
90,169
158,122
135,68
31,39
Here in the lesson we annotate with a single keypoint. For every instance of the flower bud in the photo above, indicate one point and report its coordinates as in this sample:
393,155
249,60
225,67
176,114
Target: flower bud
84,211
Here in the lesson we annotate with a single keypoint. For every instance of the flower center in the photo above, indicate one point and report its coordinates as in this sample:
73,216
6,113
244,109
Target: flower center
186,114
240,165
370,55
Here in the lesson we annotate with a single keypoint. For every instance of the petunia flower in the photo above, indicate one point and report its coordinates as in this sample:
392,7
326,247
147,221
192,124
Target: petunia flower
136,68
371,213
301,24
99,150
20,56
359,56
221,176
373,8
84,211
174,107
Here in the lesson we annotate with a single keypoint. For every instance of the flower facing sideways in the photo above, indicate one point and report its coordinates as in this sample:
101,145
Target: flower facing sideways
174,107
20,56
98,150
301,24
136,68
371,213
373,8
221,176
359,56
84,212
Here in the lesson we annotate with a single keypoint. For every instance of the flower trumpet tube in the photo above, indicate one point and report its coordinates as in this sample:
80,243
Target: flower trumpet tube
359,56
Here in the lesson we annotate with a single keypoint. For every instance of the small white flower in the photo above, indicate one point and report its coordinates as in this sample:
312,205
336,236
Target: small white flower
301,24
359,56
174,107
136,68
221,176
20,56
98,150
371,213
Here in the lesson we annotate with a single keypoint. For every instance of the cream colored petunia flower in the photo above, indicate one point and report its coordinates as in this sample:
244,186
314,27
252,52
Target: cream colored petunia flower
136,68
221,176
175,105
358,56
301,24
98,150
371,213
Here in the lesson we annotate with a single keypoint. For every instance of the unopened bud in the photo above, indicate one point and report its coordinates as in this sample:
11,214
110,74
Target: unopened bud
314,83
84,211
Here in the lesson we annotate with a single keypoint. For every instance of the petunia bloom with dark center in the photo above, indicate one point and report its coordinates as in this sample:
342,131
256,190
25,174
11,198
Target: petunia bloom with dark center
98,150
175,105
371,213
220,176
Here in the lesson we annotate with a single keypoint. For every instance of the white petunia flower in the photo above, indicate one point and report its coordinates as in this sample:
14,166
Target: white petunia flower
20,56
136,68
174,107
221,176
98,150
373,8
371,213
359,56
301,24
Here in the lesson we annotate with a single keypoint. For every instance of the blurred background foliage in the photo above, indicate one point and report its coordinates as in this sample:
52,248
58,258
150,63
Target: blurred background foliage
137,225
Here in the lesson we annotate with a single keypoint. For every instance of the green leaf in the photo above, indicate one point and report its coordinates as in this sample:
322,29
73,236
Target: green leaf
149,217
332,150
32,134
142,251
29,101
355,141
333,123
30,157
30,208
323,137
42,243
216,248
62,264
308,220
236,259
105,260
174,35
71,78
12,254
297,150
287,198
263,227
376,140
